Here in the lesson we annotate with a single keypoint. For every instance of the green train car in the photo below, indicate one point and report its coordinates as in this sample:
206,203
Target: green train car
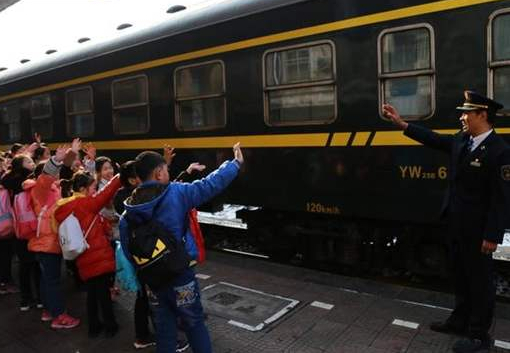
300,83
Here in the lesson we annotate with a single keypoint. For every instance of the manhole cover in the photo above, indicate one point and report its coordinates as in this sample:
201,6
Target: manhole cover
245,307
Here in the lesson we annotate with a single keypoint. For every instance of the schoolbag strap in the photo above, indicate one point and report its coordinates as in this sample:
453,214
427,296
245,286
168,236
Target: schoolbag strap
90,226
39,220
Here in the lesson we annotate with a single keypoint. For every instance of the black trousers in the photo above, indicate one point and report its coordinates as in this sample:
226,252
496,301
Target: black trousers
98,297
6,251
475,290
29,272
142,314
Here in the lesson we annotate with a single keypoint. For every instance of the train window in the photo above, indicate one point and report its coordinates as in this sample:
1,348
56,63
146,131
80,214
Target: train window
41,116
499,58
200,102
299,84
10,120
407,70
130,103
80,112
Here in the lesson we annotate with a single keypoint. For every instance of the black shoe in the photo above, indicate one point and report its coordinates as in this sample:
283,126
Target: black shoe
26,305
182,345
446,327
472,345
94,332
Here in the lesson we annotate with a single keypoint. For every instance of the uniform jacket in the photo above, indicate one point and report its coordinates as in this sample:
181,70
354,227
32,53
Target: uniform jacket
171,203
478,196
98,259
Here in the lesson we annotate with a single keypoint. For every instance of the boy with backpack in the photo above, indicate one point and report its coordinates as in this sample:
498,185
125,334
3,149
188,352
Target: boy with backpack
154,231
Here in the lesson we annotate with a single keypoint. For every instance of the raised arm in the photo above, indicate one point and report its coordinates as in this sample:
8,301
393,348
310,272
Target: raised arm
100,199
200,191
425,136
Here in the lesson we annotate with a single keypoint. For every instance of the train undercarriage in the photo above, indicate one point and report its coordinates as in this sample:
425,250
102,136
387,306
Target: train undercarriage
411,254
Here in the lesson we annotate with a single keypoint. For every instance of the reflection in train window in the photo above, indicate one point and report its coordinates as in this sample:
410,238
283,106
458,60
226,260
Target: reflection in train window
80,112
41,116
200,102
407,70
299,84
130,103
10,120
499,58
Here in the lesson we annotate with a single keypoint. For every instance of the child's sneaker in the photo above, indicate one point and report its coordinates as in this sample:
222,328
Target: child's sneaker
6,288
25,305
12,289
64,321
46,316
182,345
144,343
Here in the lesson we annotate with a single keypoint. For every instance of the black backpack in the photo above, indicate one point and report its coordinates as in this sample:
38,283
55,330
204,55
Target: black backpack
159,257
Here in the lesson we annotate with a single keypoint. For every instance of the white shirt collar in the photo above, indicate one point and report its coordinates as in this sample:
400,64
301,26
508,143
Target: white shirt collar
479,139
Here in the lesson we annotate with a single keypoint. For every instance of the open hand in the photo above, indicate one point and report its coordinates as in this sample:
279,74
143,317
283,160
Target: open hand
76,145
168,154
195,166
37,138
391,113
60,153
90,151
31,149
238,154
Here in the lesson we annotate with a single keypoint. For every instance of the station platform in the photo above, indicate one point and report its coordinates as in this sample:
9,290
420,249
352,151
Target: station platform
258,306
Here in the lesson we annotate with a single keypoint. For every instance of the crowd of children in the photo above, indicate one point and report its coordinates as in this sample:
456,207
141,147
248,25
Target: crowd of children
39,190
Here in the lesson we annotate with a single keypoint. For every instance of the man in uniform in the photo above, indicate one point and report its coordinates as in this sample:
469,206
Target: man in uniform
477,204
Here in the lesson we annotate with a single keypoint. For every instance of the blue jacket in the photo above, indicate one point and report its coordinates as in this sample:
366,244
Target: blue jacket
173,202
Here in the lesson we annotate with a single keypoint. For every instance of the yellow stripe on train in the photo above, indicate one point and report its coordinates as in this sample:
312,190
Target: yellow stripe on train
339,139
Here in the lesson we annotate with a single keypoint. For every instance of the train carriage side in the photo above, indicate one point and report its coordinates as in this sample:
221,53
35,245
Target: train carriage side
305,105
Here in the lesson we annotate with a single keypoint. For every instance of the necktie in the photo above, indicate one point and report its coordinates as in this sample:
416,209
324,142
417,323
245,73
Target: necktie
466,149
469,144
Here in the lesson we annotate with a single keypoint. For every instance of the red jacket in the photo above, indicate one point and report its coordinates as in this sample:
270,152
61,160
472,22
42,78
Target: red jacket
99,258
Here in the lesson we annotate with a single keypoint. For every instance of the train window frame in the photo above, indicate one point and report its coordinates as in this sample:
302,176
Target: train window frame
127,106
20,129
42,117
492,63
330,82
177,100
70,114
430,72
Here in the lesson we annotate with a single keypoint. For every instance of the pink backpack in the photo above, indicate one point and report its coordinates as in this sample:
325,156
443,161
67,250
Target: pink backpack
26,220
6,221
